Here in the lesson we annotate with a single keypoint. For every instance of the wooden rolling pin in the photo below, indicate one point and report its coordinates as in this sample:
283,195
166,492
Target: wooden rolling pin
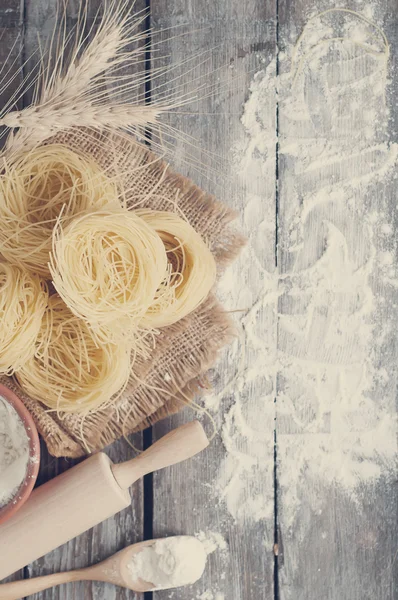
84,496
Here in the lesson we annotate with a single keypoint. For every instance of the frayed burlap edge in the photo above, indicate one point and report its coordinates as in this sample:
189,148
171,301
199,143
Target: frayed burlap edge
168,393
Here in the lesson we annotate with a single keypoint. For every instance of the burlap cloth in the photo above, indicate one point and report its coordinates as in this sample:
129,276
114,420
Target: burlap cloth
159,386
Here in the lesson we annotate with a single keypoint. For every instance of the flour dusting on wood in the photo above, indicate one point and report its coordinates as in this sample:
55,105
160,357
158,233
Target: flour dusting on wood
314,347
246,476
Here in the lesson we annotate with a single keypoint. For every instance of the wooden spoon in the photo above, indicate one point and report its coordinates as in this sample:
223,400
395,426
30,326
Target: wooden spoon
112,570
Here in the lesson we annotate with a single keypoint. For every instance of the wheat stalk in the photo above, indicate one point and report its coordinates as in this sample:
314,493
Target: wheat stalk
113,116
106,50
99,56
75,96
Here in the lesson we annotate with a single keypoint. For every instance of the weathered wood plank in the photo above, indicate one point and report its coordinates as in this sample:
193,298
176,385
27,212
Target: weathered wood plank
127,527
332,545
11,22
337,502
11,38
232,39
95,545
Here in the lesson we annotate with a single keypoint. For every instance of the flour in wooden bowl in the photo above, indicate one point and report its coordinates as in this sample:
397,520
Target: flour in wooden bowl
14,452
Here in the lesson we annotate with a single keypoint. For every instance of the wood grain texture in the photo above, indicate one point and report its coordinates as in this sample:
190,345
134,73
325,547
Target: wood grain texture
11,40
126,527
95,545
336,548
11,28
333,544
231,39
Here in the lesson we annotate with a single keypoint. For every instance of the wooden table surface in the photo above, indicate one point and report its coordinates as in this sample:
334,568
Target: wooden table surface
348,551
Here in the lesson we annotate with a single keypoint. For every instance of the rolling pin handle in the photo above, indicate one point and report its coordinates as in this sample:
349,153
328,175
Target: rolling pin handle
178,445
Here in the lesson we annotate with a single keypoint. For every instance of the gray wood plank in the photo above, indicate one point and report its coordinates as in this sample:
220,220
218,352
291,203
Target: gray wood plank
11,22
337,540
96,544
237,36
126,527
11,38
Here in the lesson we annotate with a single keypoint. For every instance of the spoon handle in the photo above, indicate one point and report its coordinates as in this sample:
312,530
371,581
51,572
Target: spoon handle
176,446
20,589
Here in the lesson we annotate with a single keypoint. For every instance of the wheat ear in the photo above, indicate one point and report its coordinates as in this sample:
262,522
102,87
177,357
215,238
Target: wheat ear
106,115
75,96
106,50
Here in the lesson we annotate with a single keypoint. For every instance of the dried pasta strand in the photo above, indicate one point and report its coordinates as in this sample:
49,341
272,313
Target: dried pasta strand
107,266
191,273
23,300
70,371
35,189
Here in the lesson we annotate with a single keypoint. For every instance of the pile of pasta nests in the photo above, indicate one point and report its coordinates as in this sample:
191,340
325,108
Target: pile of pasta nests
85,282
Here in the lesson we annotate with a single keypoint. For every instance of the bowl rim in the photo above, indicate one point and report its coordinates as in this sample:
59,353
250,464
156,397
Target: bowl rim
26,487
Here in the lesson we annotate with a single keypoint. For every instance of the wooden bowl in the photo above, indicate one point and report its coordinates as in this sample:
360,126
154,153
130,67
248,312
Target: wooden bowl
27,485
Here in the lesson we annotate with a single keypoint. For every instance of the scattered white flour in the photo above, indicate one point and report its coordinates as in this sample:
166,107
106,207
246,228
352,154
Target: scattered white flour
170,562
209,595
212,541
246,476
14,452
316,353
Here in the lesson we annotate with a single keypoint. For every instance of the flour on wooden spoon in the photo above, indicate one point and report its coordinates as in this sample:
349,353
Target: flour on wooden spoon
169,562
